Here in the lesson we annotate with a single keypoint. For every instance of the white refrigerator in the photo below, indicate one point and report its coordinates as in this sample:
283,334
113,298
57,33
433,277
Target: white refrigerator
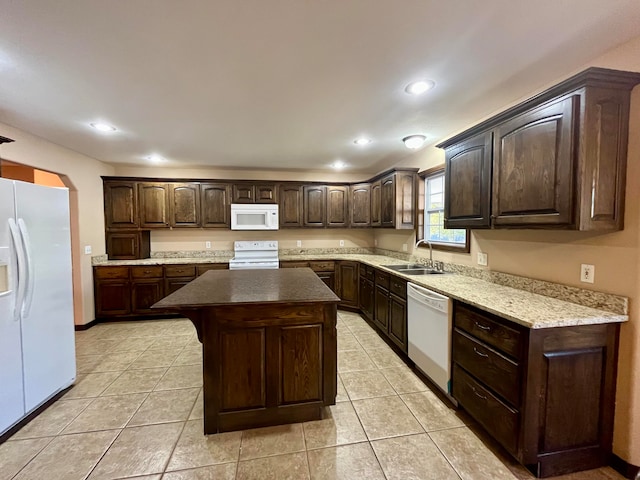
37,346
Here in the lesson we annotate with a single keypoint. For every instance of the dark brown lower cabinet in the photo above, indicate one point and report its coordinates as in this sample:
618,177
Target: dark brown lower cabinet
398,321
381,308
366,297
546,395
347,283
112,298
177,276
145,293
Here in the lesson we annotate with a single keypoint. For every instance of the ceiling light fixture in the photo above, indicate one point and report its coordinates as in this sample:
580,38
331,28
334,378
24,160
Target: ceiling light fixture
338,164
362,141
155,158
103,127
414,141
419,87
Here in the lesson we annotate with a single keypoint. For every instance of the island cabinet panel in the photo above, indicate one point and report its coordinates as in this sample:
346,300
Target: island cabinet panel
121,205
184,204
315,205
546,395
290,205
215,205
300,356
534,166
154,204
468,182
242,367
376,203
360,205
337,206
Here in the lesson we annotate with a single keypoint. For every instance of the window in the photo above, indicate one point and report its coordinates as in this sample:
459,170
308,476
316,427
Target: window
432,227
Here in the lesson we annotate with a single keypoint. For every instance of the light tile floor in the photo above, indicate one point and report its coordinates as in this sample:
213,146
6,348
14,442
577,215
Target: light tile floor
136,412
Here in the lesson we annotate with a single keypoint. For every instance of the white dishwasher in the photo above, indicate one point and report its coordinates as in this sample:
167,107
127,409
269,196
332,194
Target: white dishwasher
429,334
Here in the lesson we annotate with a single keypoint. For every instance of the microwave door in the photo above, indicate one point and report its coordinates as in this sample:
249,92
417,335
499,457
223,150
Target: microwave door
250,220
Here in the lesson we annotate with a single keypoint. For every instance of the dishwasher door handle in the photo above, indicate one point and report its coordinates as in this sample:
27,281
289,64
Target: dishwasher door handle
417,291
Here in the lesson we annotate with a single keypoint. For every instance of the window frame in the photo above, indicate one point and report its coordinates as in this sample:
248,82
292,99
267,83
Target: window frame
447,247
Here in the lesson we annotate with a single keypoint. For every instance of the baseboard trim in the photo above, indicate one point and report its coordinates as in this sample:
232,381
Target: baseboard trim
627,470
6,435
86,326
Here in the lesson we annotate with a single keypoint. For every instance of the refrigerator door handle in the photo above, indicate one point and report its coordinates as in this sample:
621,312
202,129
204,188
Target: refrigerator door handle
26,242
17,243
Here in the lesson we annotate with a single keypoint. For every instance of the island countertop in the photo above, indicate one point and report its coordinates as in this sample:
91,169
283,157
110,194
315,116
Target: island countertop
230,287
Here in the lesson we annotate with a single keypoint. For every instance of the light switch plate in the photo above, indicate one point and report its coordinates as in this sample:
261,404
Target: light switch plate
207,244
87,249
342,243
298,243
482,259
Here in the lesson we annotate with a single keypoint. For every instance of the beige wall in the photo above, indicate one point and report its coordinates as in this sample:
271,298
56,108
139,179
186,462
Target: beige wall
556,256
83,173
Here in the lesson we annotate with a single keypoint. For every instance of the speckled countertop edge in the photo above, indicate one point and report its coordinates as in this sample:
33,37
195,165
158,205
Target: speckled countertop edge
526,308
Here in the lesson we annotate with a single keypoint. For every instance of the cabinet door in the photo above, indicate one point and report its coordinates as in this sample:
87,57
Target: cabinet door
266,193
381,307
215,205
122,245
113,297
154,203
243,193
376,199
328,278
145,293
533,168
348,283
185,204
387,201
290,208
337,206
398,321
315,207
360,205
468,183
173,284
365,297
121,205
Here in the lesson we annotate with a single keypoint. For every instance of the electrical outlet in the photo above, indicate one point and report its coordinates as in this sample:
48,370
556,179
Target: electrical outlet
587,273
207,244
87,249
342,243
482,259
298,243
375,242
404,247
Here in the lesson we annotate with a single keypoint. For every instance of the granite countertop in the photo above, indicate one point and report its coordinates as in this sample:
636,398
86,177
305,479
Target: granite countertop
529,309
229,287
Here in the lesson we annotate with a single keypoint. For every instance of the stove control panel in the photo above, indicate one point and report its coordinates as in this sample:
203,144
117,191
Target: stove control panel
263,245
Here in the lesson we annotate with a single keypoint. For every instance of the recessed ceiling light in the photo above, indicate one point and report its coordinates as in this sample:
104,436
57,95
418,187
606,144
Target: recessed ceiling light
419,87
155,158
414,141
103,127
338,164
362,141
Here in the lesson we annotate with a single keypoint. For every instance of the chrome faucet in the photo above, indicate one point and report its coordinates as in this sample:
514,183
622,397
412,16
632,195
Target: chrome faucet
430,250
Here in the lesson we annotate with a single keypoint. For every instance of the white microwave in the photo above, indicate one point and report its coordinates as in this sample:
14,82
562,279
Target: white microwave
254,216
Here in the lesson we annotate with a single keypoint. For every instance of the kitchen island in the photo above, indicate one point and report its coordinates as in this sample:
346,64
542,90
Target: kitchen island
269,345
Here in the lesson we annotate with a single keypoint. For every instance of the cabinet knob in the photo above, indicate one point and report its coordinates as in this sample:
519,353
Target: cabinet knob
480,354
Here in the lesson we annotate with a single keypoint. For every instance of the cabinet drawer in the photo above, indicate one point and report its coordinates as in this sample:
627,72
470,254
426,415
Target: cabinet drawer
480,325
211,266
497,418
497,372
112,272
322,266
382,279
293,264
146,271
368,271
398,286
179,270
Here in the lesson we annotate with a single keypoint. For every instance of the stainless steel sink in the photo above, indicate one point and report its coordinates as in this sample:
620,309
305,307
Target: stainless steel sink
413,269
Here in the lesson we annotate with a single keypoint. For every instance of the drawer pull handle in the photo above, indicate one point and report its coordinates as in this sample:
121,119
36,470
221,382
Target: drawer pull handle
481,354
482,327
147,271
475,392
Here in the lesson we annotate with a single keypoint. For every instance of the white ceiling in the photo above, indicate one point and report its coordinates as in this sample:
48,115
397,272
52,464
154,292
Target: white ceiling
283,84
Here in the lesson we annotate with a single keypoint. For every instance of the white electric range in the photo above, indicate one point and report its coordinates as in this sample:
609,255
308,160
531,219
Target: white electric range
252,255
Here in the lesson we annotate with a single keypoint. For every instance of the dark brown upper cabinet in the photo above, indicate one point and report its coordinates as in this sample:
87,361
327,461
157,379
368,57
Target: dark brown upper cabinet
254,193
215,205
314,205
557,160
397,199
468,183
290,206
121,205
337,206
154,204
376,199
184,204
360,205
